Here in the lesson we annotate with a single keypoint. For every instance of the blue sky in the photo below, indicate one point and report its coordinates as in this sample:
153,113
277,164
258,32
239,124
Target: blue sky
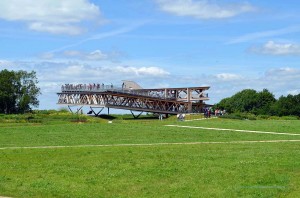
227,45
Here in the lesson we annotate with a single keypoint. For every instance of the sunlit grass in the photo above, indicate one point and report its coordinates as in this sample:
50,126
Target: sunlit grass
204,170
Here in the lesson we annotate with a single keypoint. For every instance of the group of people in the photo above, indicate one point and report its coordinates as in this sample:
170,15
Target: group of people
83,87
219,112
208,112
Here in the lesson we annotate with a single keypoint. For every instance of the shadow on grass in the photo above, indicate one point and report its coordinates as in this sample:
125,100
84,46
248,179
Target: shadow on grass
107,117
126,117
142,118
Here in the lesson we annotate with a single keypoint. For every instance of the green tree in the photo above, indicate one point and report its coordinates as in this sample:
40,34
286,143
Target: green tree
18,91
225,104
248,101
244,101
28,91
265,100
8,91
287,105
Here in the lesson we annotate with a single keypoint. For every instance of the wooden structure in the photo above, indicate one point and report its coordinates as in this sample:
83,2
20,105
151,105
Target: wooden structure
130,96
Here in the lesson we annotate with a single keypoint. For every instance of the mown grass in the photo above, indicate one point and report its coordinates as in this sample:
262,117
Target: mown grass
203,170
284,126
234,170
134,132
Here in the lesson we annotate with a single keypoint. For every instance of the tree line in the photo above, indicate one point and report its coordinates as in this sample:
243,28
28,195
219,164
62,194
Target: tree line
18,91
261,103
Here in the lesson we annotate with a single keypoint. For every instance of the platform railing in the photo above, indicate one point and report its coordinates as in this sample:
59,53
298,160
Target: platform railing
115,89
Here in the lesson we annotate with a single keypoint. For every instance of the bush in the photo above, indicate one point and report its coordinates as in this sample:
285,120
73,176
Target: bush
240,116
290,118
262,117
274,118
77,118
64,110
232,116
249,116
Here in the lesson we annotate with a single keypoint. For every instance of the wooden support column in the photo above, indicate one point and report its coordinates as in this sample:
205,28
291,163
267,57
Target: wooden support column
96,113
188,92
134,116
166,93
77,111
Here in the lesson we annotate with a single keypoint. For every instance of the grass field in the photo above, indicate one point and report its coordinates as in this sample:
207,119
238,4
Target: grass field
131,158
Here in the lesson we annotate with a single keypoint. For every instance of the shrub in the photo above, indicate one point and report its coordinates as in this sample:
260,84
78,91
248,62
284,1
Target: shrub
290,118
262,117
274,118
64,110
240,116
232,116
78,118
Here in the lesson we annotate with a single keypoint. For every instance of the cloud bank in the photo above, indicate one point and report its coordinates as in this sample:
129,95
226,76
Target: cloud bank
96,55
277,49
56,17
228,77
203,9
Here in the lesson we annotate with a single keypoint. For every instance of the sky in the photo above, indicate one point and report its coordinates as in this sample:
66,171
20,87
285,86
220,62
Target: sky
225,44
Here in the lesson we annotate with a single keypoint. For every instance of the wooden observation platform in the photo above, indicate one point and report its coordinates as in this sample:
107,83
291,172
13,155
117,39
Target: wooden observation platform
130,96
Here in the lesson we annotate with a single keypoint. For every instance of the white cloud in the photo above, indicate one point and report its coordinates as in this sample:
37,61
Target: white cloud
5,63
102,35
280,81
47,55
96,55
294,92
278,49
228,77
283,74
75,71
203,9
143,71
57,17
12,65
282,71
53,74
56,28
72,53
87,73
49,87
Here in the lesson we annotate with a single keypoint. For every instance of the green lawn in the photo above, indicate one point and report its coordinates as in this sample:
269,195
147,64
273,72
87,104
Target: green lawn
290,126
202,170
